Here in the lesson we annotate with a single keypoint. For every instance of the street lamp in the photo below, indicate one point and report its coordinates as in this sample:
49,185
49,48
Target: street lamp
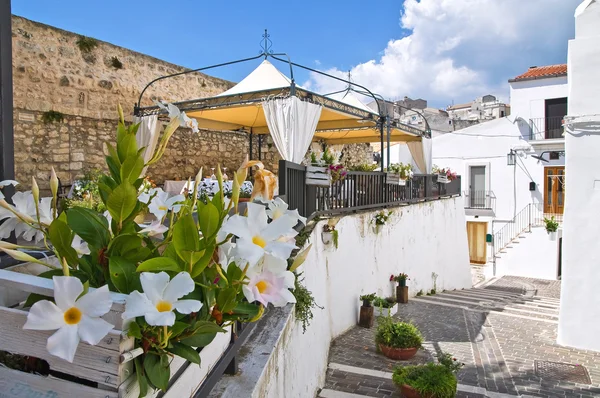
511,158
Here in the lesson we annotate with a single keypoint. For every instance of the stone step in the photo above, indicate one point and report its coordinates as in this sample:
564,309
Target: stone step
482,294
519,304
327,393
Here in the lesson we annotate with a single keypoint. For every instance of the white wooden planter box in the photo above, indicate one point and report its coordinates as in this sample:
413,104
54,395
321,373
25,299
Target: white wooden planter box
385,311
318,176
101,364
443,179
394,179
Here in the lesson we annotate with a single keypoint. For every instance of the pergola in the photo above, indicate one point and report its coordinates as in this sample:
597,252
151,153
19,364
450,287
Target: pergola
269,102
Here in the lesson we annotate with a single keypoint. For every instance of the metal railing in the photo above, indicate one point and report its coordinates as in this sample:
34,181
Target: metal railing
480,200
532,215
543,128
357,191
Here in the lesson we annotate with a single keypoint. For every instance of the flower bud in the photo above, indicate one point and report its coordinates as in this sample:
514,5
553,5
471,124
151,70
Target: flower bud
53,183
20,256
35,190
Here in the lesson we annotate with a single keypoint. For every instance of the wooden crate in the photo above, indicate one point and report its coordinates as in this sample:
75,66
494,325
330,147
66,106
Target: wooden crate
394,179
442,179
103,372
318,176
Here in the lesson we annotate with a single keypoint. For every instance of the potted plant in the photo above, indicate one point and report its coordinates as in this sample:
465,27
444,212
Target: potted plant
401,289
551,227
430,380
398,173
444,176
337,172
380,219
318,172
397,340
366,310
329,235
385,306
245,194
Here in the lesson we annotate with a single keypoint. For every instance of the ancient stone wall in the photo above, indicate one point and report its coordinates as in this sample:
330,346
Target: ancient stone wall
77,144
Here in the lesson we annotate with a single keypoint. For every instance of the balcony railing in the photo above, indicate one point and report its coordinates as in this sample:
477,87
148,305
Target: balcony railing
358,191
480,200
543,128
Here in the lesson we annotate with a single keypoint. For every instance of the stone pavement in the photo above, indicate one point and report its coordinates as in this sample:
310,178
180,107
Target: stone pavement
505,333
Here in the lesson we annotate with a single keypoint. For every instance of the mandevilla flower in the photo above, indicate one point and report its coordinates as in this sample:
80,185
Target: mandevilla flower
154,229
161,203
160,298
6,183
277,208
270,283
25,206
256,236
80,246
184,120
75,317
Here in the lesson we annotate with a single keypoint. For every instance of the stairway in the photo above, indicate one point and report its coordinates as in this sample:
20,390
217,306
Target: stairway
526,306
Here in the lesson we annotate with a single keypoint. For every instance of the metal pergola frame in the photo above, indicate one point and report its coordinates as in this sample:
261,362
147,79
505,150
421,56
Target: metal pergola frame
381,118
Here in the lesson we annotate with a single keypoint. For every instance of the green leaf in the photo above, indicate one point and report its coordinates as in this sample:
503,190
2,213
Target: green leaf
34,298
126,145
201,264
178,327
199,340
122,201
208,218
89,225
157,373
141,377
130,246
134,330
247,309
186,240
61,237
226,299
207,327
123,275
131,168
158,264
186,352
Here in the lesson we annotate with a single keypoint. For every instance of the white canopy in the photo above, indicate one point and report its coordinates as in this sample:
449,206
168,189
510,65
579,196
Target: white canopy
265,77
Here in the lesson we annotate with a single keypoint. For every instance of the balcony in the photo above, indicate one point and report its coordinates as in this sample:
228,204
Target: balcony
480,203
546,133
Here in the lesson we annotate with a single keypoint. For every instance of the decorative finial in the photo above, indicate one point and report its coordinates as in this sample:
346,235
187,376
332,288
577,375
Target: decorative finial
266,45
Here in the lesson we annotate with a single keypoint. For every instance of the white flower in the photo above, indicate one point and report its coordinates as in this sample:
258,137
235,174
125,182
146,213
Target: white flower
174,112
277,208
80,246
160,298
75,318
6,183
161,203
270,283
154,229
25,205
256,236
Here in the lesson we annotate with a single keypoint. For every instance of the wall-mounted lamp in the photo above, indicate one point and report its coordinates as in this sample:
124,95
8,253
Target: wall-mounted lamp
511,158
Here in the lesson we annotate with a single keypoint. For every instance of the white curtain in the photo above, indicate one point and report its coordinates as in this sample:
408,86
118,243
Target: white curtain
421,154
147,135
292,124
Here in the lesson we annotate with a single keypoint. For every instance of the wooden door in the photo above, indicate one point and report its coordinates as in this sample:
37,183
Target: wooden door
554,190
476,232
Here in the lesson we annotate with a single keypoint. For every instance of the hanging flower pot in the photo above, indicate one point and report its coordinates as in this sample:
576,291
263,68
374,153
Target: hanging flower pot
319,176
327,237
552,235
392,179
442,179
402,182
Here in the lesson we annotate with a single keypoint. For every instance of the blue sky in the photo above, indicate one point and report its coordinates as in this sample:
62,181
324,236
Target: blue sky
444,51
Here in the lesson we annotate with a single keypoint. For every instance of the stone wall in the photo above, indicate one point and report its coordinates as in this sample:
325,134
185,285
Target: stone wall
52,73
77,144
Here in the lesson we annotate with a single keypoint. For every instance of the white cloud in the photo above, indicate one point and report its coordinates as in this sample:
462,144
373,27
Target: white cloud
460,49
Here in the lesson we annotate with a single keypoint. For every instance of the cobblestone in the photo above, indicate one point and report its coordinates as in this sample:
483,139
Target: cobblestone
499,349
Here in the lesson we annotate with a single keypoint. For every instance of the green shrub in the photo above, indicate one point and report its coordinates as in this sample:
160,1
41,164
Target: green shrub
363,167
383,302
52,116
368,297
435,381
86,44
551,224
398,334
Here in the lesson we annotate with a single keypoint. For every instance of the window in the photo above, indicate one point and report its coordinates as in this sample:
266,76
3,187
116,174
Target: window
556,110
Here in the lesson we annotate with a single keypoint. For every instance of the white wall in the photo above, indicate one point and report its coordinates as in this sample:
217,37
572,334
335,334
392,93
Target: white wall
419,239
527,98
579,322
488,144
533,255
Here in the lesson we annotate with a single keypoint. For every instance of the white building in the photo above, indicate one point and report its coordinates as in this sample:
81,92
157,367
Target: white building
505,200
483,108
579,320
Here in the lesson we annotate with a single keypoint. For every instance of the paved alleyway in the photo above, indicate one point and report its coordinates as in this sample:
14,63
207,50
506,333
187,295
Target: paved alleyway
505,333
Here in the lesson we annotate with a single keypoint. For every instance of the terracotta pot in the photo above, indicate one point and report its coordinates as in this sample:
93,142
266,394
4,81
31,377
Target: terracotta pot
398,353
244,200
409,392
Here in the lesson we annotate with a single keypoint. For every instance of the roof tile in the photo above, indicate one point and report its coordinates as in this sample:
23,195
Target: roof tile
541,72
